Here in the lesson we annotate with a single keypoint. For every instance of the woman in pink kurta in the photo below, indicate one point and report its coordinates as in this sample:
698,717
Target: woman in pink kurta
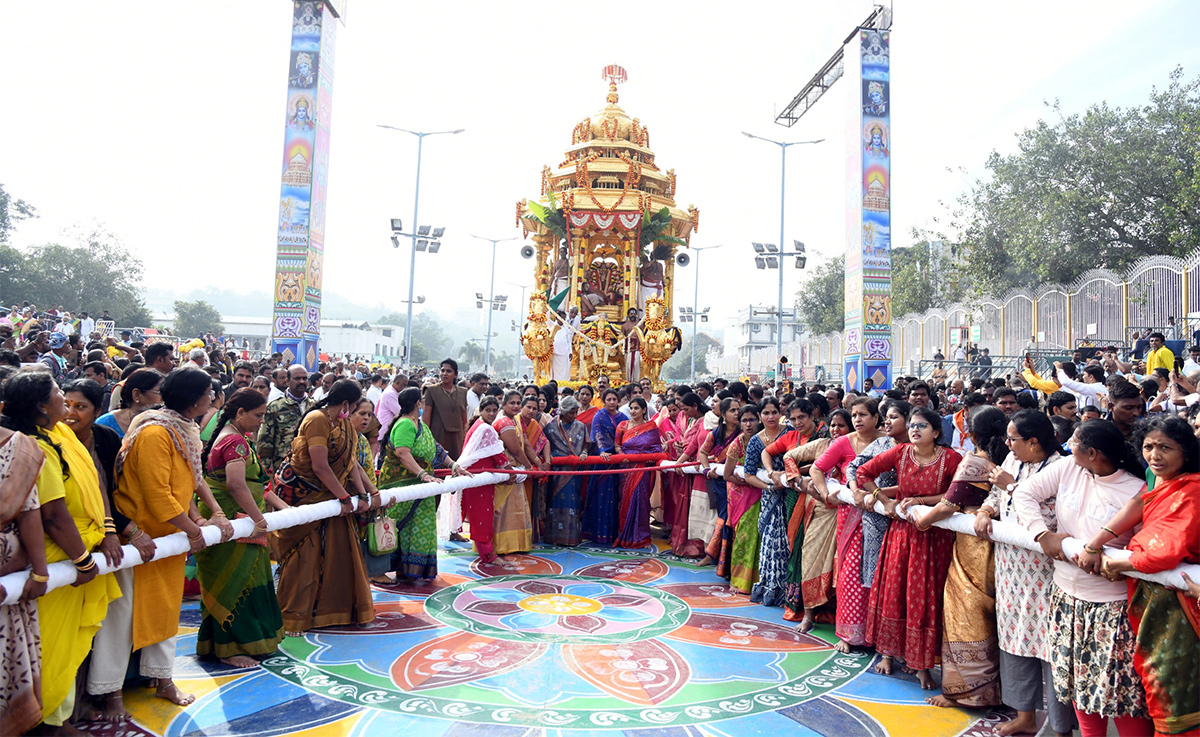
685,486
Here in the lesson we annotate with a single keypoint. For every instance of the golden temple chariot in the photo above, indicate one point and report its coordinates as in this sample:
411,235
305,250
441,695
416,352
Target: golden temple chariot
606,233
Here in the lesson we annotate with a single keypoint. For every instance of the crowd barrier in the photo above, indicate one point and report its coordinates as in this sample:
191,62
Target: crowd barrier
63,572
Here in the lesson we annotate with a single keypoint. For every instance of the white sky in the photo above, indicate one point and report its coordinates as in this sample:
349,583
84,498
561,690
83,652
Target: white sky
164,121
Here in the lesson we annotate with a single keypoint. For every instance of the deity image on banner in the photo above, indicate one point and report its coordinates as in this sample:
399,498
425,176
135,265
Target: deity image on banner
304,70
293,220
875,48
877,245
875,97
875,140
300,113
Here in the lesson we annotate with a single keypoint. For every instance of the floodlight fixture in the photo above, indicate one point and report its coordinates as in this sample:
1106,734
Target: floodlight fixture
799,246
397,225
423,230
772,262
437,232
435,246
478,305
421,299
801,260
422,244
758,248
395,242
772,248
479,295
760,262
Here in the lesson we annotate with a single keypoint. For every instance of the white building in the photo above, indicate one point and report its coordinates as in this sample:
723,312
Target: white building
753,336
338,337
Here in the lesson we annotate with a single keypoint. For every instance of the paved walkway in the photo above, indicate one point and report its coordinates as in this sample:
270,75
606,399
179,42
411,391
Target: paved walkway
571,642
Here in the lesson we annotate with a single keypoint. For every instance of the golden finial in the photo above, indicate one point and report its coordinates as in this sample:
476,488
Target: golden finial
615,75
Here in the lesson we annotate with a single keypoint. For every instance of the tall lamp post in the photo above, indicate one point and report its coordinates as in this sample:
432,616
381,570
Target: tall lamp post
783,147
412,266
519,322
487,358
696,304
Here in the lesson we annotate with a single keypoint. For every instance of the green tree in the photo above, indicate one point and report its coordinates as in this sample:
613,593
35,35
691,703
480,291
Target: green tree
915,285
196,318
821,300
429,341
679,366
97,274
12,211
1098,189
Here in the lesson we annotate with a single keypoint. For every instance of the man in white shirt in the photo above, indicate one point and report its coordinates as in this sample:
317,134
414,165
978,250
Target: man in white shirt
279,384
87,326
648,395
64,325
478,387
1089,391
375,390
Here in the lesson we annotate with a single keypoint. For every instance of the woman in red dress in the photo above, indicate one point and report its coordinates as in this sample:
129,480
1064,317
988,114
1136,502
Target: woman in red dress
636,435
686,485
483,451
904,613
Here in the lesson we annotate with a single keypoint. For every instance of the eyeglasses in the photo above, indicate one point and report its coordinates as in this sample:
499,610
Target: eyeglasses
1073,443
918,426
1010,439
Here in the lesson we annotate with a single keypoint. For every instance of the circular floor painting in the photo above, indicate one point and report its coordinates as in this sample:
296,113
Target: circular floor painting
571,641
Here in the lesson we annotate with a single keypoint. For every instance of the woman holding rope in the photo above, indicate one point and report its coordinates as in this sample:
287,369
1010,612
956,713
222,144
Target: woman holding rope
851,608
564,508
603,495
240,617
904,613
514,525
1022,579
160,479
322,574
715,449
482,452
1166,622
636,435
410,456
1092,645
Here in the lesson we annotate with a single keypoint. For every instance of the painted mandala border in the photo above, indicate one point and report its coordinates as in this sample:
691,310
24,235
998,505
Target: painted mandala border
440,606
830,675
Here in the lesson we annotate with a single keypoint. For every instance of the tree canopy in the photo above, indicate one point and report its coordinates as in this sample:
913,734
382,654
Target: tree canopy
429,341
679,366
821,299
1098,189
196,318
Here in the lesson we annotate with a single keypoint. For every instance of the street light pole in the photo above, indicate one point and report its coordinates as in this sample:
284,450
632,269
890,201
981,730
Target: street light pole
487,351
520,323
783,147
412,264
696,307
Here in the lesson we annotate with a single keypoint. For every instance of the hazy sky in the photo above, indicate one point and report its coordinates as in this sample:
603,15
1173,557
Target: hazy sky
164,120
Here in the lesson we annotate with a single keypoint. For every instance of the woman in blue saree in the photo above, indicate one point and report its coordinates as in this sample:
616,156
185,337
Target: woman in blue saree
600,507
638,434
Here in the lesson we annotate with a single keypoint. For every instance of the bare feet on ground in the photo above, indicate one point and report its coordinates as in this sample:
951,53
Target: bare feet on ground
1024,723
241,661
884,666
844,647
806,624
939,700
166,689
927,682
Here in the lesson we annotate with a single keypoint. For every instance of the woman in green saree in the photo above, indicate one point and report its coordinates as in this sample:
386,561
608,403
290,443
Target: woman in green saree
240,615
410,456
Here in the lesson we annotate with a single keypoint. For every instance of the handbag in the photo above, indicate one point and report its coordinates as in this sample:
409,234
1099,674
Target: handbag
381,535
289,487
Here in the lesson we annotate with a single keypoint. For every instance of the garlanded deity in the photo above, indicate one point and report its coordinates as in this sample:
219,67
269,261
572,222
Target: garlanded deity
606,230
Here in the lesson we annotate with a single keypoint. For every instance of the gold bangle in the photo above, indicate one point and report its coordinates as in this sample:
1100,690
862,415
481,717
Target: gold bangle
1040,535
39,578
949,503
1102,527
81,558
1093,551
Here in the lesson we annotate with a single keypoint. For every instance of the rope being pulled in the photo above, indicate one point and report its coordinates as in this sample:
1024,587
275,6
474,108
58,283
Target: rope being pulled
63,572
